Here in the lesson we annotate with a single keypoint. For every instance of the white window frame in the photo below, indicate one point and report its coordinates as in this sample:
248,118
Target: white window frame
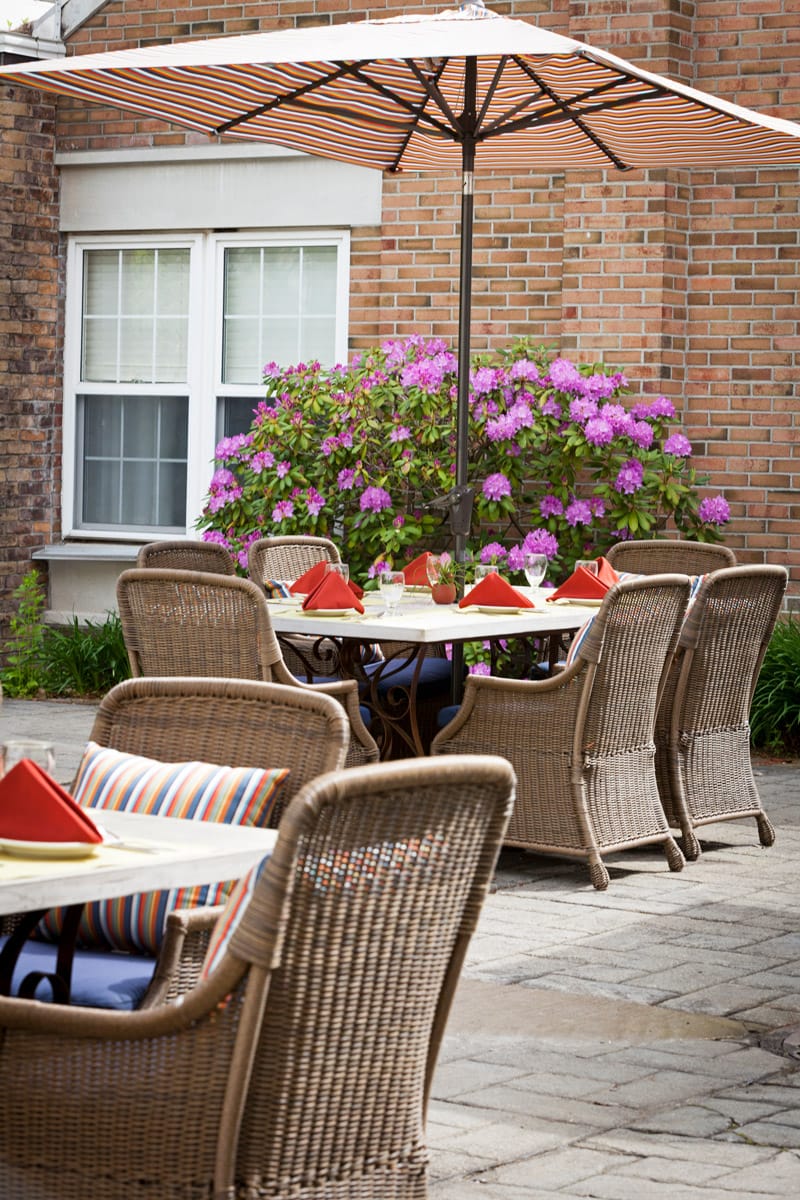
204,384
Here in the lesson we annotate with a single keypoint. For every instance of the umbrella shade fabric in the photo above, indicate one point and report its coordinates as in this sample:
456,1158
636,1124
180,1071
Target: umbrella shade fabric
391,94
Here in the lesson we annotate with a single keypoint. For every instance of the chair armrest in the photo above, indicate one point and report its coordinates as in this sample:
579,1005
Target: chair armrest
182,953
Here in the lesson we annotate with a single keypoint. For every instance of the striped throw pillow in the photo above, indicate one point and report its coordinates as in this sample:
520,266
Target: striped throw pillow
192,791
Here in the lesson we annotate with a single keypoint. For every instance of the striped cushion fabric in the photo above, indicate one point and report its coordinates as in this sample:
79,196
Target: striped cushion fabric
192,791
230,917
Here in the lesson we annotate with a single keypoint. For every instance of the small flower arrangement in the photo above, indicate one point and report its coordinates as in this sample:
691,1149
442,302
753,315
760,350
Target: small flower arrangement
445,570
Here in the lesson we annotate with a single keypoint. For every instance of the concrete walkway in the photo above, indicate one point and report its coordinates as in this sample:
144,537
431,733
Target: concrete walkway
628,1045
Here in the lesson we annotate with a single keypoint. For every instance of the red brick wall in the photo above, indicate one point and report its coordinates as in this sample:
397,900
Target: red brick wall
686,280
30,337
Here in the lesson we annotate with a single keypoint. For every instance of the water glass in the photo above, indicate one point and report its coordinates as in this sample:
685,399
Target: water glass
339,568
535,567
40,752
482,570
392,585
588,564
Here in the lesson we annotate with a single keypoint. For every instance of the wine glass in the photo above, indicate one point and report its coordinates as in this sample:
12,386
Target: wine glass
535,567
482,570
392,585
339,568
588,564
41,753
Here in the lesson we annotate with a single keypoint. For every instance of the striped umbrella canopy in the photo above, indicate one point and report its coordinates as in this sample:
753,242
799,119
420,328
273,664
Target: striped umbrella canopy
428,91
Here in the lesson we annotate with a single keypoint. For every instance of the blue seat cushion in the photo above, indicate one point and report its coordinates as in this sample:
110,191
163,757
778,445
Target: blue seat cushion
100,978
446,714
434,677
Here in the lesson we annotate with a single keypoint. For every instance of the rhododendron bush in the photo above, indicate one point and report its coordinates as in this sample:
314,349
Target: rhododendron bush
559,460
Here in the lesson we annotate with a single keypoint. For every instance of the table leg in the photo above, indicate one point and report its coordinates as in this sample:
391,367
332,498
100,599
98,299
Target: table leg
60,980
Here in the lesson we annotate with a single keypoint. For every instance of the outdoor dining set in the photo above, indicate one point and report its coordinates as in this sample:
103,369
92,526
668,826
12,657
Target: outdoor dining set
263,1010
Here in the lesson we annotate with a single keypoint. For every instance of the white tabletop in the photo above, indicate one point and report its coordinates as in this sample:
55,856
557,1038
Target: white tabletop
420,620
161,852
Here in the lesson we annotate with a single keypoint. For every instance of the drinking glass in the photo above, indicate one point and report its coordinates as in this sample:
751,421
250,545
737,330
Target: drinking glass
535,567
482,570
40,752
392,585
339,568
589,564
432,566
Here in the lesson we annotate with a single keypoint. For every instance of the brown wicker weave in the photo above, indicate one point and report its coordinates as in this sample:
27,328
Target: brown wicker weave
669,554
702,728
581,742
187,555
301,1067
287,558
193,623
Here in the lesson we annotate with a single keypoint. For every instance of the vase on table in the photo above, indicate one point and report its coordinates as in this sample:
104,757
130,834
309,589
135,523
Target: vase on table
443,593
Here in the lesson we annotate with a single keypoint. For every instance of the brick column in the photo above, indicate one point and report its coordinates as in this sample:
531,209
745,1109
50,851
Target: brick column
30,337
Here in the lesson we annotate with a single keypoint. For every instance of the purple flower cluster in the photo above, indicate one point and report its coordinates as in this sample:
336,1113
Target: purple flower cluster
714,510
496,486
629,477
374,499
678,445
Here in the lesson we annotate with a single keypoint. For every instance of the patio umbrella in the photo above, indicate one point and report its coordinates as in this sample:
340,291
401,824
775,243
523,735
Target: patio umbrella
426,91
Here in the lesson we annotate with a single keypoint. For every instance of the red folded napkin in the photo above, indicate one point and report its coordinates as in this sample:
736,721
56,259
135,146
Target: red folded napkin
583,585
355,588
34,808
309,579
332,592
415,573
495,592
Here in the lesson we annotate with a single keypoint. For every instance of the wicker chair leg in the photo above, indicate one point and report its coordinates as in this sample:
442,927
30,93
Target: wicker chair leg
690,844
766,831
675,859
598,874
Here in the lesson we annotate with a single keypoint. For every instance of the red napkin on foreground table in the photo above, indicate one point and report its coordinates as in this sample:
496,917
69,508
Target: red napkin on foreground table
355,588
332,592
583,585
309,579
495,592
34,808
415,573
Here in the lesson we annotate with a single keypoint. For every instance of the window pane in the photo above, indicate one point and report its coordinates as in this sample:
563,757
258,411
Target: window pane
174,430
242,280
136,350
234,415
139,499
172,348
281,283
101,281
100,349
319,280
317,339
171,495
140,434
101,492
280,341
243,357
102,420
138,282
173,282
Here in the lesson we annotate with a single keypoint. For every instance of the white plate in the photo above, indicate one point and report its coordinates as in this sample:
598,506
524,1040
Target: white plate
330,612
497,608
595,603
48,849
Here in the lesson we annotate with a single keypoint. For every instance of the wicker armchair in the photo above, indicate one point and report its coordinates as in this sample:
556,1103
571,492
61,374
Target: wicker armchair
198,624
658,555
581,742
702,728
187,555
287,558
301,1066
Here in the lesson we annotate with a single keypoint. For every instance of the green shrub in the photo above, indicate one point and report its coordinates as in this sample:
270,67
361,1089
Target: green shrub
21,675
71,660
775,712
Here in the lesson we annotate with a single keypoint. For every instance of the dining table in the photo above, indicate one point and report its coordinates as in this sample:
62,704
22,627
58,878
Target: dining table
411,632
139,854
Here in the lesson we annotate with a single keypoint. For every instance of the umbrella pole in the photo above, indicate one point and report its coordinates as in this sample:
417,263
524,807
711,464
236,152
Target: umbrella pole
464,320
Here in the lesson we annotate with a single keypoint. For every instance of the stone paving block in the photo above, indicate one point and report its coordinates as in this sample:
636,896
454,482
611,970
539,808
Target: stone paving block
690,1148
779,1175
507,1137
731,1061
773,1133
485,1190
626,1187
728,1000
585,1115
464,1076
555,1170
622,991
664,1088
451,1164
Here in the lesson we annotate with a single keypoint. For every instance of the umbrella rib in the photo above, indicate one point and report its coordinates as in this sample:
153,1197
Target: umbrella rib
354,69
278,101
490,91
456,132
